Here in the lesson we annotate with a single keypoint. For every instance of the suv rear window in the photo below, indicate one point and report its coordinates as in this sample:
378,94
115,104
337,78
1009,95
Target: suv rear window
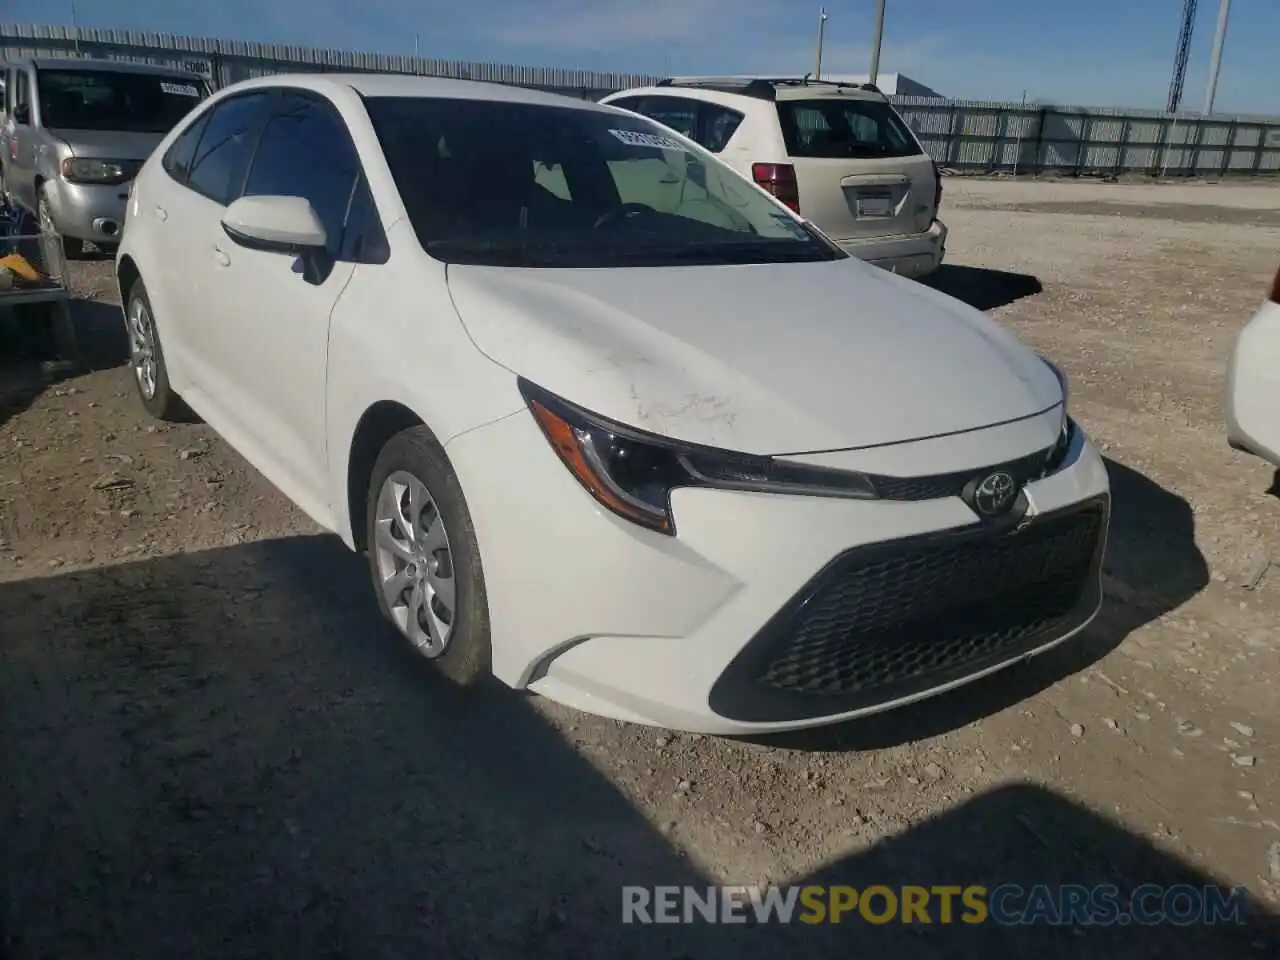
839,128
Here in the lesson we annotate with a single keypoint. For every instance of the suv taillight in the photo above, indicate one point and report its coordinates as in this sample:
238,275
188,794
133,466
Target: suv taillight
1274,296
780,180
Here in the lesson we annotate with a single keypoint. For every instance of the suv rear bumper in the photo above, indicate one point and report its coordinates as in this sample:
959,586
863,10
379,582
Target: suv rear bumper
913,255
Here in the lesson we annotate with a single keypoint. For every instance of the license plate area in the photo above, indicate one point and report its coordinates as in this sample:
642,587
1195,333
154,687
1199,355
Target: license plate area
874,204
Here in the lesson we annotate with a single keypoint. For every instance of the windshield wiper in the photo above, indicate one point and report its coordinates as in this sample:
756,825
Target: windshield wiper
735,253
593,251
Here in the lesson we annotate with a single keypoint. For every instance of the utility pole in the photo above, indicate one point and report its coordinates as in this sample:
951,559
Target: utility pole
75,26
1022,119
875,44
822,28
1181,55
1215,64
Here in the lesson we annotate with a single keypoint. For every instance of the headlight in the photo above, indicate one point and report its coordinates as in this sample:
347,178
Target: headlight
1058,454
632,473
1067,434
86,170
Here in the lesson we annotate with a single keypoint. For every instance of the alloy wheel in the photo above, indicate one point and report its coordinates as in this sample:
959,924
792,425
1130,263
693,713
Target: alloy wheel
414,563
142,347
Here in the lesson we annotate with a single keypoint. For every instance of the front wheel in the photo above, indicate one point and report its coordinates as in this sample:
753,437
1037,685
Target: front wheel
150,375
71,247
424,558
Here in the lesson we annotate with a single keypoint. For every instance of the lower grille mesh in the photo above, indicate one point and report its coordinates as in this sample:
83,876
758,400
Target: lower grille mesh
885,623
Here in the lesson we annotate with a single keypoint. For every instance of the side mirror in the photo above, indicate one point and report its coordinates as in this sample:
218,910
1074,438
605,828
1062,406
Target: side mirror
22,114
275,224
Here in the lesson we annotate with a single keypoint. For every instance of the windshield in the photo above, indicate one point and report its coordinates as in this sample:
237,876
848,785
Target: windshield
115,100
517,184
836,128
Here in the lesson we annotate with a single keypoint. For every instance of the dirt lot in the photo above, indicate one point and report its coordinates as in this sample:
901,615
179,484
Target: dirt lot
212,748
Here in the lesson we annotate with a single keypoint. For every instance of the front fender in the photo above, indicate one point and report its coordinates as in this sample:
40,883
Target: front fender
395,336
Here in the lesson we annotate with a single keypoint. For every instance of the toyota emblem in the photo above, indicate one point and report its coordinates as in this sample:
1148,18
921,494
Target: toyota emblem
994,494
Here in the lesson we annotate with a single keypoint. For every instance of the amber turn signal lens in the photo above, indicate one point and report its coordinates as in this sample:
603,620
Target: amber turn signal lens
565,441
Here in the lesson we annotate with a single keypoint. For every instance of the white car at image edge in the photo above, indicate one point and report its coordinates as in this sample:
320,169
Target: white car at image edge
610,422
1253,382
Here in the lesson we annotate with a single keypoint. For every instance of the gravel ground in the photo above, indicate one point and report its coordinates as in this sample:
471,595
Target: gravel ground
212,747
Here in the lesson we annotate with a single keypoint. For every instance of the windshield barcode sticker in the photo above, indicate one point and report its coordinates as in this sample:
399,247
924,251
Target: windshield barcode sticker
634,138
181,89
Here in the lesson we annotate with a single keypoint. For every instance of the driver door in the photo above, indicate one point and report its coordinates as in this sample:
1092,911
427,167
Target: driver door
273,346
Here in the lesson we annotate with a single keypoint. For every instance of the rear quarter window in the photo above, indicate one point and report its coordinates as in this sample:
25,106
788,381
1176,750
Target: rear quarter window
839,128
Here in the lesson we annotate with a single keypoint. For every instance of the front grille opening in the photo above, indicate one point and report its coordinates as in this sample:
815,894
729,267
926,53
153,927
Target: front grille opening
901,653
884,623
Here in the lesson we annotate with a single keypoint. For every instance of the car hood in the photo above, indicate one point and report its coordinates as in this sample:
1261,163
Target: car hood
762,358
109,144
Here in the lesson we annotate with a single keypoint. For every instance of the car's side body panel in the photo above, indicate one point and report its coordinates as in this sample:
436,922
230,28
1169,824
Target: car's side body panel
1253,386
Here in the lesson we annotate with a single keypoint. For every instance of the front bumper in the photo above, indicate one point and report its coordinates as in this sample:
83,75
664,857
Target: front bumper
913,255
88,211
1253,387
767,612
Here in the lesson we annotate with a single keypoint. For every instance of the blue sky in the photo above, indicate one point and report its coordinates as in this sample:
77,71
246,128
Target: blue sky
1104,52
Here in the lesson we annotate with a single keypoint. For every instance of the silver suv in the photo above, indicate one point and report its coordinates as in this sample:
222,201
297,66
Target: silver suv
74,133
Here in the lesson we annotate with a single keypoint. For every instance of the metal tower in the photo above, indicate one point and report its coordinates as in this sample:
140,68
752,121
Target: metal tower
1183,54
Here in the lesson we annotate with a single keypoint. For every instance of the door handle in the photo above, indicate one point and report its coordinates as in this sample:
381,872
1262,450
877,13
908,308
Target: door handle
161,213
223,258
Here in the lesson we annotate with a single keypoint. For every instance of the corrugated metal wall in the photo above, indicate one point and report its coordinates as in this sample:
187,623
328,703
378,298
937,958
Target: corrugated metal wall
966,135
227,61
981,136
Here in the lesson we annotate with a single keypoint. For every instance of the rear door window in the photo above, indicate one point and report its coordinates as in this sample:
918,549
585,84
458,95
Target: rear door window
626,103
679,114
707,124
845,128
718,125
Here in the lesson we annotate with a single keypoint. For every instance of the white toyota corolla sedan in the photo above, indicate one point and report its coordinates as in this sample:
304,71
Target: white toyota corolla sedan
1253,382
611,423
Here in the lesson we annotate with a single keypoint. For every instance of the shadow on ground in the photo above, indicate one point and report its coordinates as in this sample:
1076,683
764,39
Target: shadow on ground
224,754
94,254
982,288
1152,566
27,351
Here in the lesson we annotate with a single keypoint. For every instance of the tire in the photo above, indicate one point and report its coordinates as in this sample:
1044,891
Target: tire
464,656
71,247
139,323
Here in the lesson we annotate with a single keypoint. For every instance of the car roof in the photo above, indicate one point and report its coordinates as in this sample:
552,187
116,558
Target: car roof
407,85
108,66
767,88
